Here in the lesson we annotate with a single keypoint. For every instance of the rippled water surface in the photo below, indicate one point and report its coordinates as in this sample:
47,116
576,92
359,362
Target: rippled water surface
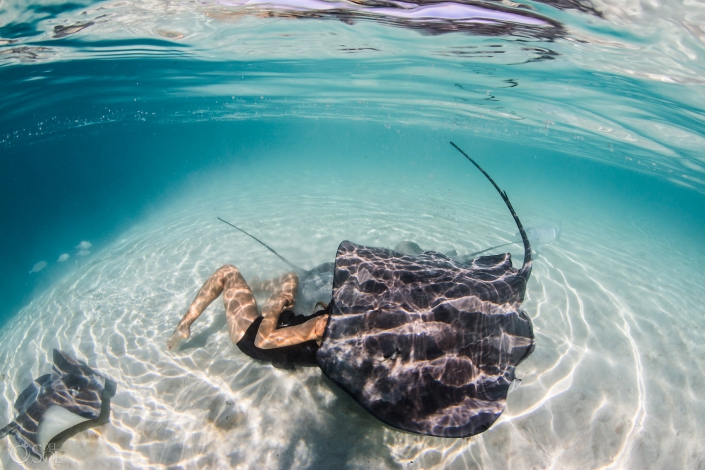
133,125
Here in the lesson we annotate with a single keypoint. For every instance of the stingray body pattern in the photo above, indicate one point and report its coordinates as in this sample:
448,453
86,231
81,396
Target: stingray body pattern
426,344
71,394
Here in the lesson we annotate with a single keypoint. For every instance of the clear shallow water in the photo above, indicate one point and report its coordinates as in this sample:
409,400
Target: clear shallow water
310,131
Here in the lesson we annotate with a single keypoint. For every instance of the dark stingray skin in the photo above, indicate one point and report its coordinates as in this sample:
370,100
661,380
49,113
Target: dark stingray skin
72,385
424,343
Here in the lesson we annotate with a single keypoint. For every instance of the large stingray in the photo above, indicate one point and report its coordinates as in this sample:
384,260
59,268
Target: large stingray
425,343
71,394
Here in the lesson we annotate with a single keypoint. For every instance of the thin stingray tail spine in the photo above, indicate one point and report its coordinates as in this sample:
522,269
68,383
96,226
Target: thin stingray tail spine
297,269
472,255
525,270
7,429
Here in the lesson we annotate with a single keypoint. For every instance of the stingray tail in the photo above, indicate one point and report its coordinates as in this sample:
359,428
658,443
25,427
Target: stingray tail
470,256
525,270
7,429
298,270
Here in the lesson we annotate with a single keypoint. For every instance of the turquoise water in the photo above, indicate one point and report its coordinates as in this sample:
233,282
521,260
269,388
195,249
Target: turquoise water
133,125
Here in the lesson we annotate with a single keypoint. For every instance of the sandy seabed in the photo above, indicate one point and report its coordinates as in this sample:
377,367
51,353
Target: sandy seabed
615,380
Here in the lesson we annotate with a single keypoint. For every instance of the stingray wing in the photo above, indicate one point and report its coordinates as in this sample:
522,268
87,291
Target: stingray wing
71,394
75,386
424,343
29,413
23,402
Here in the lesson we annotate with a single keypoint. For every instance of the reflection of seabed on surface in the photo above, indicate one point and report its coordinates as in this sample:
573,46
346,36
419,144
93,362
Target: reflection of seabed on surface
583,398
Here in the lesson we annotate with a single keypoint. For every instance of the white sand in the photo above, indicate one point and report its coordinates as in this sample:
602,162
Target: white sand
615,380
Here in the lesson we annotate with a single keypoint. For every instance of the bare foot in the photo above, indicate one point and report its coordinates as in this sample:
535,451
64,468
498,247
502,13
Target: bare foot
174,340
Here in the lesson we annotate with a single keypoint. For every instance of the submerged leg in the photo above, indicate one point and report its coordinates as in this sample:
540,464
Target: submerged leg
283,297
240,305
267,285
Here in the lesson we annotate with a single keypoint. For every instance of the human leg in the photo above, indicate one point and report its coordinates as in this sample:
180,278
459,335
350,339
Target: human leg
284,297
240,305
258,285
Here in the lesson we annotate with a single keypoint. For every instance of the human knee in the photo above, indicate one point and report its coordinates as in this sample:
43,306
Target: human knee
290,282
228,271
227,268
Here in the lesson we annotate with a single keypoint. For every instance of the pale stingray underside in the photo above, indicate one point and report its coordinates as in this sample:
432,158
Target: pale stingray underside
71,394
